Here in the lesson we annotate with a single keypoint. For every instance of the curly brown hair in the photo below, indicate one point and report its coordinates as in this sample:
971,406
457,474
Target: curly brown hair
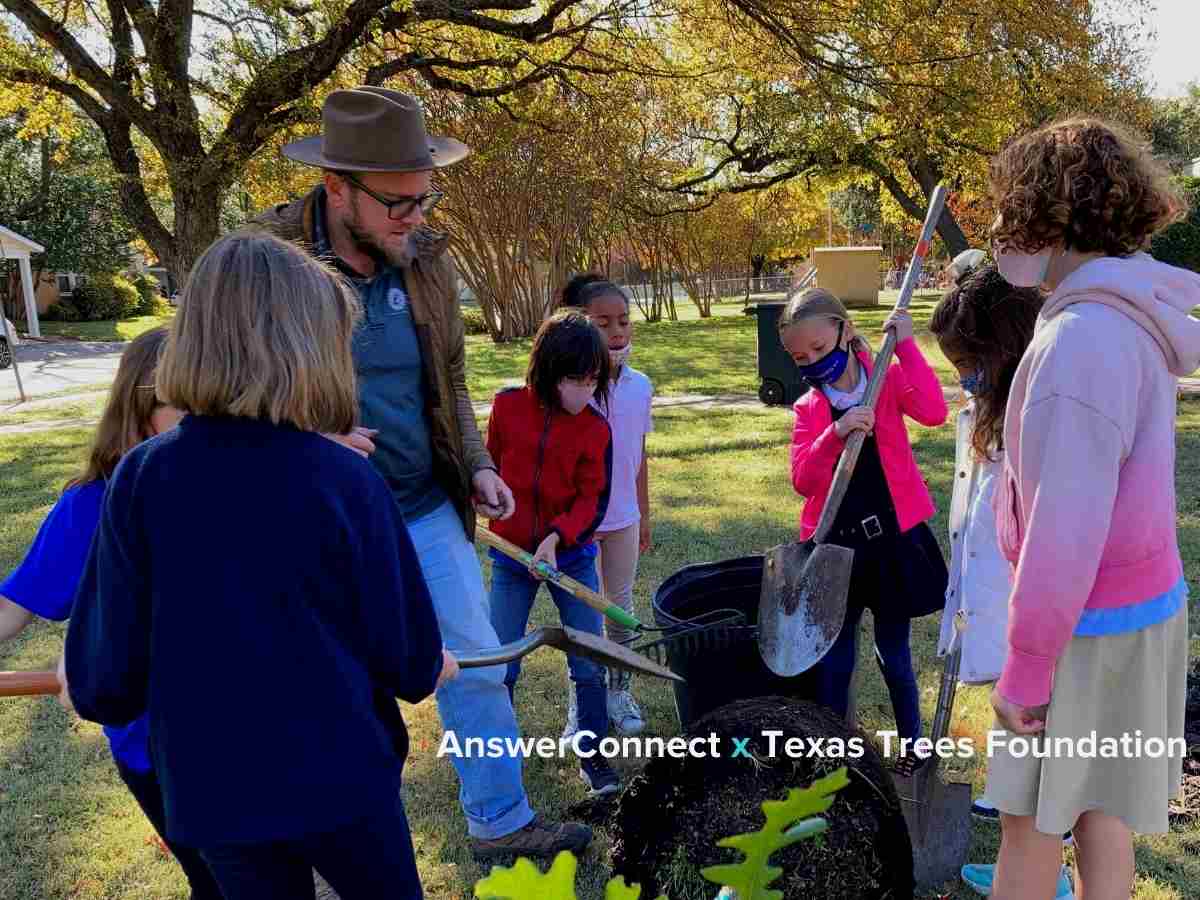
1084,183
990,323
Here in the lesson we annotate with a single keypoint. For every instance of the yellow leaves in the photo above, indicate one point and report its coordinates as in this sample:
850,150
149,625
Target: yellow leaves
523,881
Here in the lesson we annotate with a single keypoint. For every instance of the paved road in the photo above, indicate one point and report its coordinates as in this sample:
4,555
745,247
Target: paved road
59,366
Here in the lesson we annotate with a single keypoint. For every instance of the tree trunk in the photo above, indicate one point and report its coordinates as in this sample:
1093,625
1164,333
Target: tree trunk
197,225
927,176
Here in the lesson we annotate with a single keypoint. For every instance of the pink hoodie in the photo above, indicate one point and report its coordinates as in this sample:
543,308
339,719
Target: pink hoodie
911,389
1086,508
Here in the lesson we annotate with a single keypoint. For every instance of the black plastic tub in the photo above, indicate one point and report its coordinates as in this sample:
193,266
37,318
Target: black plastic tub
733,670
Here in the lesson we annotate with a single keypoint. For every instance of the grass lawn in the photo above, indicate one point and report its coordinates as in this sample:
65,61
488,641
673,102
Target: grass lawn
108,330
719,489
717,355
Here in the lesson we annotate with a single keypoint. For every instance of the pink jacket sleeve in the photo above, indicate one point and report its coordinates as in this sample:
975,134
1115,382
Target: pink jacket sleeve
814,453
1068,469
919,392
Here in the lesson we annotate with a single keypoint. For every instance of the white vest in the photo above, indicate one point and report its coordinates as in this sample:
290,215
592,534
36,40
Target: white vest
980,576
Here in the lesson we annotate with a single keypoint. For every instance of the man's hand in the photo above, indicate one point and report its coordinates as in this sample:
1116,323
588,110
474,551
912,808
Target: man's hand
547,553
358,440
493,498
644,535
1018,719
449,668
64,693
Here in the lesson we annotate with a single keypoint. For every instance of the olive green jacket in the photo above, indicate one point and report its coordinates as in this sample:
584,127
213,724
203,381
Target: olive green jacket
458,450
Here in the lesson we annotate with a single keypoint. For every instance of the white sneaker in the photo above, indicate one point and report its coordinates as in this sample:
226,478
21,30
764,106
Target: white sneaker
572,725
624,713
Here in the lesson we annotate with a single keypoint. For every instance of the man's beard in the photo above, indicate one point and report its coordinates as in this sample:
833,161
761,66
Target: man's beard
399,255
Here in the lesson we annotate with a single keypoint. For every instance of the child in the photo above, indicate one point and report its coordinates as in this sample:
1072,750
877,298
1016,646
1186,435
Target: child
45,582
555,451
983,326
898,571
625,532
252,589
1086,507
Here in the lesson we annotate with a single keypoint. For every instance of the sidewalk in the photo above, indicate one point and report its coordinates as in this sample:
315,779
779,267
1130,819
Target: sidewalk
1189,387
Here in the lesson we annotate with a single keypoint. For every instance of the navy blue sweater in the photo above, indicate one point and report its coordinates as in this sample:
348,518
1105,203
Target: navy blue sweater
253,588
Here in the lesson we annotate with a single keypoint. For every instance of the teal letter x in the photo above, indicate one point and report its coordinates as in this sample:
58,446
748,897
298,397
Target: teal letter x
739,748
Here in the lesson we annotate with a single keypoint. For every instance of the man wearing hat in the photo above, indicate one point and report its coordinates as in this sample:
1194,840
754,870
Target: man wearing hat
367,218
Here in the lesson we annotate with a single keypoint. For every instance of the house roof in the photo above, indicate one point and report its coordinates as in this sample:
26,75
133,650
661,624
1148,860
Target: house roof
13,241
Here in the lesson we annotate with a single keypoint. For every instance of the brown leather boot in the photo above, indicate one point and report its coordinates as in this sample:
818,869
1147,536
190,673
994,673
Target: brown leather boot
538,839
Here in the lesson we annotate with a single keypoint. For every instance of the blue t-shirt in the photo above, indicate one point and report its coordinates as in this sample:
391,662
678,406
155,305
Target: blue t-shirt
391,390
45,583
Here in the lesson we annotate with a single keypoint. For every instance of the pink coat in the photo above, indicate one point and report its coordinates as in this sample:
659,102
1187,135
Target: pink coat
911,389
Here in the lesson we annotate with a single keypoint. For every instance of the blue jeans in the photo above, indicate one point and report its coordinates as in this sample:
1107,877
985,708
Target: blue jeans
364,861
476,703
513,593
894,657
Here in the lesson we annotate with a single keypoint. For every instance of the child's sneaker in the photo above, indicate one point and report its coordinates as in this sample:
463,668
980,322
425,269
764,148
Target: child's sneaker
599,776
572,726
979,879
983,810
623,711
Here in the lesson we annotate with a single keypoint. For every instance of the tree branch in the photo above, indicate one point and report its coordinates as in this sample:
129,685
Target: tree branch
278,83
83,66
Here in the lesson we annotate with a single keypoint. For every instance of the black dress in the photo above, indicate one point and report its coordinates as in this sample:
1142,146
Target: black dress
895,573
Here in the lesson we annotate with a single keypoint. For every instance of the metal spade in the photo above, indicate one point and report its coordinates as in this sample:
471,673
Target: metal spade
568,640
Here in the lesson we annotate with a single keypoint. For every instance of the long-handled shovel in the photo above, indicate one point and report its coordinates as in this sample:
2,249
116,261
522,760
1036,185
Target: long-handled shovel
570,585
568,640
803,601
938,814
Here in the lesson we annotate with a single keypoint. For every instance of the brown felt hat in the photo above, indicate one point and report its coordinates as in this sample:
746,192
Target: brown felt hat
372,129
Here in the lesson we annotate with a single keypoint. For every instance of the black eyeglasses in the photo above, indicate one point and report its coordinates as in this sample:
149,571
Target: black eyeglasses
402,208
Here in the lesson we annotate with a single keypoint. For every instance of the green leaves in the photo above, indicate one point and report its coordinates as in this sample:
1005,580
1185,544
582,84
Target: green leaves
788,821
525,882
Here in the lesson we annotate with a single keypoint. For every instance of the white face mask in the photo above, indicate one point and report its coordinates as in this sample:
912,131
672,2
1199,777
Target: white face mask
574,396
1023,270
618,357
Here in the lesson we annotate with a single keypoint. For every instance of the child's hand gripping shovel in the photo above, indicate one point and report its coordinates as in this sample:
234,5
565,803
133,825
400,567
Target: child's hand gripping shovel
568,640
802,604
568,584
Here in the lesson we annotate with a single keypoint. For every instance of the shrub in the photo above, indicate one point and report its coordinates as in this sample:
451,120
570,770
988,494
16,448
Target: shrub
64,310
473,321
106,297
1179,245
151,301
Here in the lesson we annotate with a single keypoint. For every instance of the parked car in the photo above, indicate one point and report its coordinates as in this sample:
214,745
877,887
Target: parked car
6,354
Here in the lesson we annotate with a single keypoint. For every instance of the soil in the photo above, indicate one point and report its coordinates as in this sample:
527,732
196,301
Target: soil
667,822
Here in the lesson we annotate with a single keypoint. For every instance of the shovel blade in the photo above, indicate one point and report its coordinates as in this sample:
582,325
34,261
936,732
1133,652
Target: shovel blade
607,653
938,816
802,604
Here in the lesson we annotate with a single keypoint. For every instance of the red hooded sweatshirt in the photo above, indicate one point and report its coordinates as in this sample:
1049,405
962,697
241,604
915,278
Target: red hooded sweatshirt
559,468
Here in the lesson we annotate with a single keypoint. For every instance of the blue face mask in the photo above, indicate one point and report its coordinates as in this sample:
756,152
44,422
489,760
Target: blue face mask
973,383
830,367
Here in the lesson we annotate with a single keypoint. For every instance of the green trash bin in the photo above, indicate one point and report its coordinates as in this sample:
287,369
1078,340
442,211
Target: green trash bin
780,381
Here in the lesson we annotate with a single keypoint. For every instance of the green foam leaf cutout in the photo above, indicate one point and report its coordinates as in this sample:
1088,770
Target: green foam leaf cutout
524,881
751,879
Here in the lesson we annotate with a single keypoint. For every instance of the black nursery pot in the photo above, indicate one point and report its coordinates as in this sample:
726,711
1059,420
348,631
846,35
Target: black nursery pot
716,677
